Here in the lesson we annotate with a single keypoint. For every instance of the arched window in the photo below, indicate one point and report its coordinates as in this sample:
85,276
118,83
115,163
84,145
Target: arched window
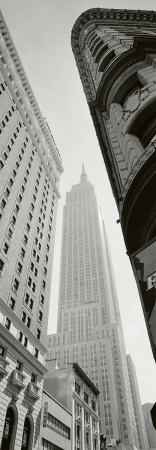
27,434
9,430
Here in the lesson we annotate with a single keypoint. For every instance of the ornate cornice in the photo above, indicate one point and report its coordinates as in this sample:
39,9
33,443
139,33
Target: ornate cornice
109,17
112,17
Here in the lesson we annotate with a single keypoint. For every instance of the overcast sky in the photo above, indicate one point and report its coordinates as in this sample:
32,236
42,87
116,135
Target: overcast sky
41,32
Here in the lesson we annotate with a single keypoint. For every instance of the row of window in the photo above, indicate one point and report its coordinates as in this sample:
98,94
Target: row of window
19,364
46,445
17,205
21,338
9,431
6,118
85,395
58,426
9,147
10,182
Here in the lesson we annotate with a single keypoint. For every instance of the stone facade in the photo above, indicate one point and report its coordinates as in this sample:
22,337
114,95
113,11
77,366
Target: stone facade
30,169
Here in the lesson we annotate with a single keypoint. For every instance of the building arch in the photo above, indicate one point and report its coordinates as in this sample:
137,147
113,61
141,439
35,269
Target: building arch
27,437
10,426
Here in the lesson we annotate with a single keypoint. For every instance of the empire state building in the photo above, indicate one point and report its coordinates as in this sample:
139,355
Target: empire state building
89,329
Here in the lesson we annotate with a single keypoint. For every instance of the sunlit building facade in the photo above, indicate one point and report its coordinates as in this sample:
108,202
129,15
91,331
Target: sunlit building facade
30,169
89,323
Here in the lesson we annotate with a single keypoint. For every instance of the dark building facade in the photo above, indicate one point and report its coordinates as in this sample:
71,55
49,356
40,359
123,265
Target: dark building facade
115,51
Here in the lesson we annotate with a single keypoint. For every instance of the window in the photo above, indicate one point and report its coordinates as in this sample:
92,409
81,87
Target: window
45,271
1,265
7,192
20,336
25,341
3,203
87,439
18,365
23,316
10,233
29,281
2,350
31,304
13,220
85,397
5,248
9,430
19,267
26,299
33,378
77,388
25,238
61,428
93,405
28,322
7,323
43,284
22,252
32,266
38,333
12,303
40,316
33,287
15,284
36,353
42,299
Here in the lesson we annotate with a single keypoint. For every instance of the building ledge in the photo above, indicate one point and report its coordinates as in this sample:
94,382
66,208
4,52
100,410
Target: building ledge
18,378
33,390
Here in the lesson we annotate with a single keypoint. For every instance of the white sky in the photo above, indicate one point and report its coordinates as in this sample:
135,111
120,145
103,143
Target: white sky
41,32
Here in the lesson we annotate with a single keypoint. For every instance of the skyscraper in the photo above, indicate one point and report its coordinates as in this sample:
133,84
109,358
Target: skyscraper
115,54
89,324
30,169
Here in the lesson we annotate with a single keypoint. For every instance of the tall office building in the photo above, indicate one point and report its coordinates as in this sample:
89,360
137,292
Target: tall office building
30,168
115,55
89,324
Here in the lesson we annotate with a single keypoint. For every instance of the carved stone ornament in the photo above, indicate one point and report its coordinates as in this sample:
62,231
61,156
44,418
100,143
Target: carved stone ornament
132,102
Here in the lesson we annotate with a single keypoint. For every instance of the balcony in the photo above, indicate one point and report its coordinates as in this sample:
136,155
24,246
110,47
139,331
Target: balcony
33,390
18,378
3,365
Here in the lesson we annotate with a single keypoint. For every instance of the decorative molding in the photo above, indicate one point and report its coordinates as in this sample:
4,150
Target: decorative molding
140,162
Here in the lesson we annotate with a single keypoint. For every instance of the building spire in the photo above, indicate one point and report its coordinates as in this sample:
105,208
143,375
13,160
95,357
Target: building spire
83,174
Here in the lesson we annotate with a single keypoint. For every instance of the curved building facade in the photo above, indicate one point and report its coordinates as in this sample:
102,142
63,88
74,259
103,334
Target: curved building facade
115,51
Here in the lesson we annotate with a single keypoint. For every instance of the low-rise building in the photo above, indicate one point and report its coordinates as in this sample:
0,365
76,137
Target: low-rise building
76,392
56,423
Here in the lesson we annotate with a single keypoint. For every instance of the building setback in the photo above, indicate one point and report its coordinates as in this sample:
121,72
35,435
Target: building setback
89,323
30,169
115,54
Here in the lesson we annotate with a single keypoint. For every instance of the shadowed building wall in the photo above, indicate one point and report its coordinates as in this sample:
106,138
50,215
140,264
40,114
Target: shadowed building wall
116,58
